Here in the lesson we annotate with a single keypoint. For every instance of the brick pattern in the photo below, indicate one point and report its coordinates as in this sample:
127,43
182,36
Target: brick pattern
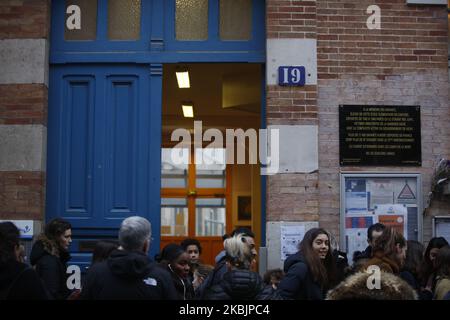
291,19
22,195
291,105
293,197
411,38
427,89
23,104
24,19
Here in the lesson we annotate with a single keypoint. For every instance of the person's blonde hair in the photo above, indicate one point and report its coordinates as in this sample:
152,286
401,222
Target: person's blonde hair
239,251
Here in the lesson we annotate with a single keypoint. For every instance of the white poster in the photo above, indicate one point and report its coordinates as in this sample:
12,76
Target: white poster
291,236
25,228
381,192
356,202
356,241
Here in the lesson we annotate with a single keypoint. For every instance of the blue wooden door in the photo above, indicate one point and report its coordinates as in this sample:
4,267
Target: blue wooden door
104,130
103,149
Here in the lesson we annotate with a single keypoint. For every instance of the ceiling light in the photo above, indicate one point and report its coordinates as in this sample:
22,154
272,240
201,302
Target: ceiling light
183,78
188,110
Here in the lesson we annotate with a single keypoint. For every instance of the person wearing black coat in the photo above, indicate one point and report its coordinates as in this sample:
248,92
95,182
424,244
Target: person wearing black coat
175,260
50,255
17,280
373,232
299,283
311,271
221,268
129,274
238,282
236,285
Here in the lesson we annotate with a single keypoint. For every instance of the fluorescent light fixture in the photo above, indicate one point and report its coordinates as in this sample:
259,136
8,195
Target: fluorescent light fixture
183,78
188,110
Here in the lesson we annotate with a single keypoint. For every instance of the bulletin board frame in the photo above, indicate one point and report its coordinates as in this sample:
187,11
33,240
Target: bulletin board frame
376,203
436,220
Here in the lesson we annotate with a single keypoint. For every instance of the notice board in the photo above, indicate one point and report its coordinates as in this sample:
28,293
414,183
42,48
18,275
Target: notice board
379,135
391,199
441,227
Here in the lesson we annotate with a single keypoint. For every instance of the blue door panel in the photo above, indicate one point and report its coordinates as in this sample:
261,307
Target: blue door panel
77,142
103,134
121,166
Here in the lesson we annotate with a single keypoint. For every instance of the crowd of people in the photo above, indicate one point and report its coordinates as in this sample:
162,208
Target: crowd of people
390,268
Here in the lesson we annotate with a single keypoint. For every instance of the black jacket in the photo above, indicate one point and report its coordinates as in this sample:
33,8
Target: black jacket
183,287
366,254
414,283
20,282
298,283
213,278
236,285
51,266
128,276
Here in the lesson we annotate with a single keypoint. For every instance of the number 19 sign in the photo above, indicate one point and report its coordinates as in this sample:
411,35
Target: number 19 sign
291,76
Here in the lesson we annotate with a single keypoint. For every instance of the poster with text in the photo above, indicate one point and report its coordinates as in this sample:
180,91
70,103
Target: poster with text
356,203
291,236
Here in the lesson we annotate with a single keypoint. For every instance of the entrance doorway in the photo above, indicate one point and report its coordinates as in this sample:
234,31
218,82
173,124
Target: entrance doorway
203,196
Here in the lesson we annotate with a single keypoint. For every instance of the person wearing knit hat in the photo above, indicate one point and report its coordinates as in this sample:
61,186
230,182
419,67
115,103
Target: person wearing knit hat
176,261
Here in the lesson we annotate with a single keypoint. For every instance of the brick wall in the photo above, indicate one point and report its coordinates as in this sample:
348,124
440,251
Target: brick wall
21,195
290,105
404,63
293,196
24,19
411,38
291,19
24,28
23,104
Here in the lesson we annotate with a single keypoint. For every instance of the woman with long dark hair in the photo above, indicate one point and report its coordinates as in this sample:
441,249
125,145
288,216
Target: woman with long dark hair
442,273
429,267
412,268
50,255
311,272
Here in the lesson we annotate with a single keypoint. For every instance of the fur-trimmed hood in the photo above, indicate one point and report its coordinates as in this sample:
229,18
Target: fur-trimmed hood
356,287
45,246
386,264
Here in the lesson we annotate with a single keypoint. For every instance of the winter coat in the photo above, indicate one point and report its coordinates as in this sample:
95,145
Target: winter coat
355,287
183,287
128,275
386,264
50,263
20,282
415,284
299,283
236,285
213,278
442,288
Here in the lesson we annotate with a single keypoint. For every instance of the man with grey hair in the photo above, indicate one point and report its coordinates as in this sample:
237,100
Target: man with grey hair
129,274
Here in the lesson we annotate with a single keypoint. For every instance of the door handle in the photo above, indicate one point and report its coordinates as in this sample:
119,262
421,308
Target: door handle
192,193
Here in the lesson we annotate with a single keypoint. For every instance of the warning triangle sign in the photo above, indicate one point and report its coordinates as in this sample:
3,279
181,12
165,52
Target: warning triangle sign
406,193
